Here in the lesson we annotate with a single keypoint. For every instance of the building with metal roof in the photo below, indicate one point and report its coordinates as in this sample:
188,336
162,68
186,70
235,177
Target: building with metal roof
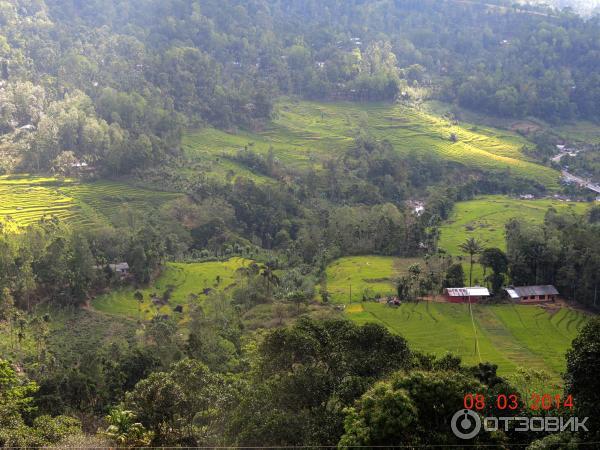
532,294
466,294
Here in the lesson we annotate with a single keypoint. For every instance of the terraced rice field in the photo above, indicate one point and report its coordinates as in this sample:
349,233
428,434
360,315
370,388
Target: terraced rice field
485,217
109,200
187,284
306,133
25,200
509,335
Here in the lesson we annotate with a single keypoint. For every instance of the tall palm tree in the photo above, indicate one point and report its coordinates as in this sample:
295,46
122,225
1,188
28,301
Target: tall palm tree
269,278
471,247
414,272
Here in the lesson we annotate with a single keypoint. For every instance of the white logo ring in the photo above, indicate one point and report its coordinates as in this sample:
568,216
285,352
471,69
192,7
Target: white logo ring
463,421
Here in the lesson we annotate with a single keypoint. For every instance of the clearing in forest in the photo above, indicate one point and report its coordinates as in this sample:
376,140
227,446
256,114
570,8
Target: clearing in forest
485,217
351,278
509,335
181,284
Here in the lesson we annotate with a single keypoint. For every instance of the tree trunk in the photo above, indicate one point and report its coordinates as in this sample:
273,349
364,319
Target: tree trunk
471,271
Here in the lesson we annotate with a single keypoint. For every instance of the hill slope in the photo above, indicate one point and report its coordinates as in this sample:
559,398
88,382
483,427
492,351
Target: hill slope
484,218
306,133
25,200
181,284
509,335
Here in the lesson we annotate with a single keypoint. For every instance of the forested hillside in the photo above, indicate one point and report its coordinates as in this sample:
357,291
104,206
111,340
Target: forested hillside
117,81
234,223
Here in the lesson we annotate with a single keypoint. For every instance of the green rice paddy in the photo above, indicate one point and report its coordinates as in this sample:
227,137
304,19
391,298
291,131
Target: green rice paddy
509,335
304,133
25,200
348,278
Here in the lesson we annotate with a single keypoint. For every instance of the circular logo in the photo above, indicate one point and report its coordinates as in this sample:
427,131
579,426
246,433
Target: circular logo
465,424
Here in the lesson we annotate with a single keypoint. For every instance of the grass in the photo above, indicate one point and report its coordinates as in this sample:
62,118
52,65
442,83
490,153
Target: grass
211,149
25,200
77,335
186,283
74,337
303,134
509,335
376,274
581,131
484,218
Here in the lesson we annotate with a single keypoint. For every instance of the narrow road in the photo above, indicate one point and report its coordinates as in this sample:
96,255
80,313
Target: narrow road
580,181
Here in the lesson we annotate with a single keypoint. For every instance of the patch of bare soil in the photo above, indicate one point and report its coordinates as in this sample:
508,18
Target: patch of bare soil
525,127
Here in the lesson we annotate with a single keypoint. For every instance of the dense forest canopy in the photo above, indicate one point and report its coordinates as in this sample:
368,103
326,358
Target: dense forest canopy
117,80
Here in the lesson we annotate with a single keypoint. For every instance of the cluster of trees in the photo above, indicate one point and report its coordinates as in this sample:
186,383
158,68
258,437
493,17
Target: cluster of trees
56,133
358,203
45,262
315,383
50,261
17,405
563,251
441,270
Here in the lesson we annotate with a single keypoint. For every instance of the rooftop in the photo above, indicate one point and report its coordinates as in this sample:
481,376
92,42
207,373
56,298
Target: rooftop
120,266
476,291
526,291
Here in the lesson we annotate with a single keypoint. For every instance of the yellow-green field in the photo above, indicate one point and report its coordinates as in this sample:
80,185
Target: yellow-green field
485,217
303,133
375,274
509,335
25,200
109,199
186,282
